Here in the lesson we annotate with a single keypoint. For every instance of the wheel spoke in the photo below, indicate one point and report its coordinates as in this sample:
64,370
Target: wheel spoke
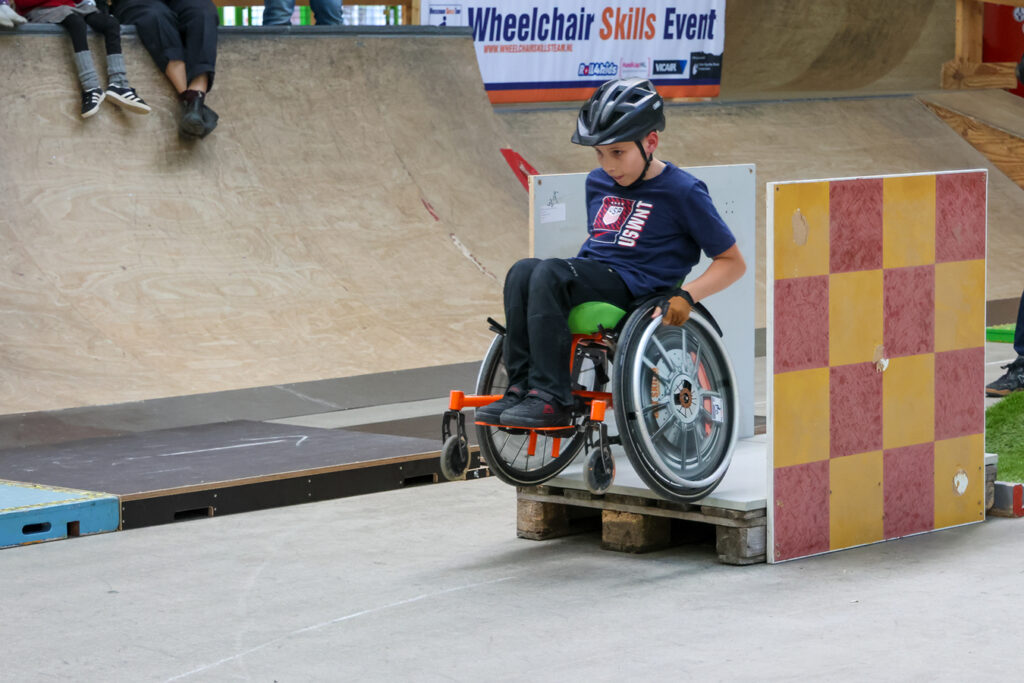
662,428
664,353
655,406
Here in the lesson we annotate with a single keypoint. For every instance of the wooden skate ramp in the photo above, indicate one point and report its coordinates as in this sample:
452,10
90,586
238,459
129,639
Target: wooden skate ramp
351,214
805,139
788,48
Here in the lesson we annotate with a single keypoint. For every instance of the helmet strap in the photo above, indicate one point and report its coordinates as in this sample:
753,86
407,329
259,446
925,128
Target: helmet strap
647,164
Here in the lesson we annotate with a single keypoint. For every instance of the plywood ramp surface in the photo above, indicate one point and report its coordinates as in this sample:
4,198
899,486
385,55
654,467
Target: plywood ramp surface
805,139
351,214
790,47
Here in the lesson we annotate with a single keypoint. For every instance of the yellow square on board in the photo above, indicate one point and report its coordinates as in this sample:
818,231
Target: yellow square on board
908,401
959,305
801,230
959,480
856,500
908,221
855,326
800,417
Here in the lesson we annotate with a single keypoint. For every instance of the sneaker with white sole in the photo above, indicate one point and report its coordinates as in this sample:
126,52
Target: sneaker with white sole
91,100
128,99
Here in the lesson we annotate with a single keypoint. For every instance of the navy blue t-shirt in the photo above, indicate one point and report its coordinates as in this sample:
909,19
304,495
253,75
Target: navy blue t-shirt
653,235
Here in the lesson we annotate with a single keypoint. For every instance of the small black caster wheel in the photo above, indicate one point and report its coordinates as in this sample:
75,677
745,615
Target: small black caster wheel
454,458
599,470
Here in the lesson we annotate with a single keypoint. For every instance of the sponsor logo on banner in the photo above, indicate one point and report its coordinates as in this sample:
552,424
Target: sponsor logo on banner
703,65
669,67
634,68
603,69
446,14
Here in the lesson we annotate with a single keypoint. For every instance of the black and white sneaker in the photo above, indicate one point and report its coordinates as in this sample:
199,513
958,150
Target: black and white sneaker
91,100
1012,381
127,98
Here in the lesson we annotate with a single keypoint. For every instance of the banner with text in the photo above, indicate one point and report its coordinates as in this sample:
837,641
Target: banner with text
545,50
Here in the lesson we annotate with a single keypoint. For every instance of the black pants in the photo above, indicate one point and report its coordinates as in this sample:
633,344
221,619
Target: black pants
538,298
175,30
75,25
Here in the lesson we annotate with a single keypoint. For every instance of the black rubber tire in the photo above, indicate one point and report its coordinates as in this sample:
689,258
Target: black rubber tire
454,458
597,475
661,467
503,451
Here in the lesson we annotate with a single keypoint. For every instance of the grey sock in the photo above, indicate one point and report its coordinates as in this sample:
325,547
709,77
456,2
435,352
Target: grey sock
86,72
115,71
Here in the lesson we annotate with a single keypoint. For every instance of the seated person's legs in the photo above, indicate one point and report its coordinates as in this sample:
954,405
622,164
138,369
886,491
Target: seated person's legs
516,350
197,22
119,90
541,319
278,12
326,12
157,28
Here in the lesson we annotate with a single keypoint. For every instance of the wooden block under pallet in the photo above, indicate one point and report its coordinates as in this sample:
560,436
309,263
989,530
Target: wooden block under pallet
638,525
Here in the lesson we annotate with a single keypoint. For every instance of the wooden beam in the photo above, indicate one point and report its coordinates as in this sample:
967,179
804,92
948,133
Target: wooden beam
1003,149
966,76
966,70
970,20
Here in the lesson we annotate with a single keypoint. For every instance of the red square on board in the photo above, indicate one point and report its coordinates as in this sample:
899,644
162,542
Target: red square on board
959,393
801,501
801,323
855,225
959,216
908,486
909,310
855,409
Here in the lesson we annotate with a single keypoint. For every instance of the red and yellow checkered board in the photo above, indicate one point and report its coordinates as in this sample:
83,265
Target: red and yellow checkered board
876,293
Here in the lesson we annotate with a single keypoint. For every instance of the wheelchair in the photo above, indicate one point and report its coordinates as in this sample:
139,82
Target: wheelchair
672,390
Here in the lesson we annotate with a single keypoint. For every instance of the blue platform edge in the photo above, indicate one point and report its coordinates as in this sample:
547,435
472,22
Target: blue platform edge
33,513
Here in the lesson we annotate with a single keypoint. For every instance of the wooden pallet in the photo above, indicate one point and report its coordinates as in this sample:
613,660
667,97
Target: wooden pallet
638,525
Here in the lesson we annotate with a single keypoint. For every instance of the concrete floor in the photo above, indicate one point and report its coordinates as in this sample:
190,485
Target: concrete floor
431,584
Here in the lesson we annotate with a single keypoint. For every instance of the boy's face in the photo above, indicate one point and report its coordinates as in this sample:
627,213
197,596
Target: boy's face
623,161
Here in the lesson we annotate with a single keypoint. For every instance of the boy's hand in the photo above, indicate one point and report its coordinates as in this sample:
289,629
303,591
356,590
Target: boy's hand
8,17
676,307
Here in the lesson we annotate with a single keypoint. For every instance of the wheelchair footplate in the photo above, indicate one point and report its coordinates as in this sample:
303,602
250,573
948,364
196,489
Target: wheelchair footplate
592,431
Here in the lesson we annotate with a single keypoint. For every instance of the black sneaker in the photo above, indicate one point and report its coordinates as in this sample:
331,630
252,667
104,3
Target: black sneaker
91,100
192,113
210,119
534,411
1012,381
491,413
127,98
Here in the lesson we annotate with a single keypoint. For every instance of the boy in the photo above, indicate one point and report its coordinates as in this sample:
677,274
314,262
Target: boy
649,221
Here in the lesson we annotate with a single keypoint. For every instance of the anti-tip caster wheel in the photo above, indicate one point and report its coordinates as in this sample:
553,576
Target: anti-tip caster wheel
599,470
454,457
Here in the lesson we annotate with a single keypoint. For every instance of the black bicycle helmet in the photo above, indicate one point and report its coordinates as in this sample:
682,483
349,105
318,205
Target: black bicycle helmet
620,110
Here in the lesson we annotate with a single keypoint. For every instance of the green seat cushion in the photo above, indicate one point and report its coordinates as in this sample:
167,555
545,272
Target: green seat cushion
585,318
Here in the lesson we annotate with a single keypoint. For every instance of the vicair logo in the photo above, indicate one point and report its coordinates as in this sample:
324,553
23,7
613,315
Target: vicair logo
598,69
664,67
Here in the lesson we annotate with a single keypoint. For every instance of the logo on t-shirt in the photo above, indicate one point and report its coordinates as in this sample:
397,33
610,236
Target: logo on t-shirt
620,221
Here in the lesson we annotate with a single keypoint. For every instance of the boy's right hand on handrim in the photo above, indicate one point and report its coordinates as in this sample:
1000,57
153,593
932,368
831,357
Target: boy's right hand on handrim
675,308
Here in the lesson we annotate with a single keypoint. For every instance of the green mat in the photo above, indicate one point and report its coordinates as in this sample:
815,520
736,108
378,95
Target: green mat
1000,333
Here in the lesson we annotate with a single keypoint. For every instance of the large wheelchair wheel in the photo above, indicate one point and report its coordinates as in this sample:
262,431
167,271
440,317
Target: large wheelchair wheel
676,404
505,450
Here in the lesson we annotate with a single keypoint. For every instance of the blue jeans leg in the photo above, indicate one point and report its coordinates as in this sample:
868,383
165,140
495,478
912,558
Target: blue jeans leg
326,12
278,12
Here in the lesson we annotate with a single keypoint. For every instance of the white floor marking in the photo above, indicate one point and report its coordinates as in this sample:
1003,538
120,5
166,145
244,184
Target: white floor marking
336,621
